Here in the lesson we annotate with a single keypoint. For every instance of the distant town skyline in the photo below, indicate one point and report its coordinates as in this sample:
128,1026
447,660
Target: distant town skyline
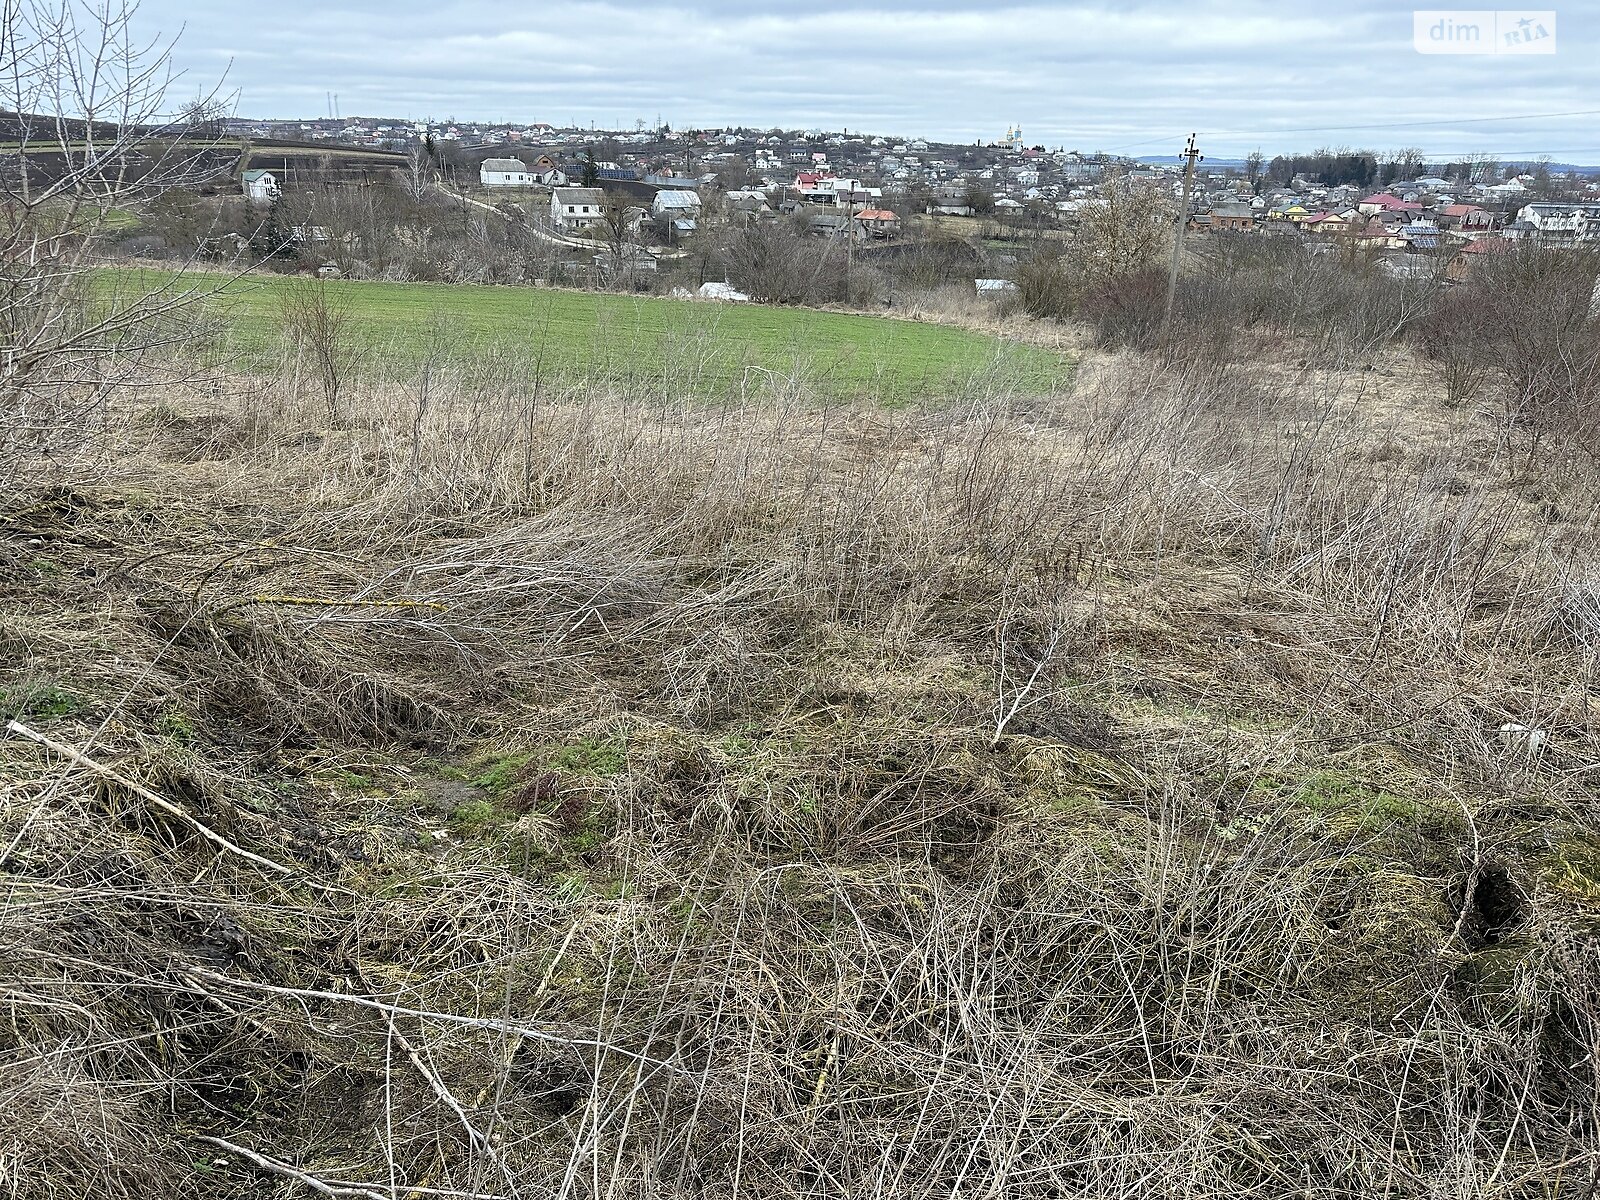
1133,80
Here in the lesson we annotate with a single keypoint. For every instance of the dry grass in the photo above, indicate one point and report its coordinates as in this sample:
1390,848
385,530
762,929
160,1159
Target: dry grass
656,840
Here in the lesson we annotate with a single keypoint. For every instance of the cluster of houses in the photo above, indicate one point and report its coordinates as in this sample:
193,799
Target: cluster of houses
857,186
834,205
811,168
1426,215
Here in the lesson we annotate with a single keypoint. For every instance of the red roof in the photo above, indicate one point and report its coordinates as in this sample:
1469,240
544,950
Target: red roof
1384,200
1459,210
876,214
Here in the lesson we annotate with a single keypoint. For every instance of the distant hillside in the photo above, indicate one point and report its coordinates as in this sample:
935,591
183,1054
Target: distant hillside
1155,160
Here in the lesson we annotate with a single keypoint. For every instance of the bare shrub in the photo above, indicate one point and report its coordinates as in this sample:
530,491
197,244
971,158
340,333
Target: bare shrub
317,324
776,264
1542,342
1050,284
1126,310
1455,337
1122,233
81,99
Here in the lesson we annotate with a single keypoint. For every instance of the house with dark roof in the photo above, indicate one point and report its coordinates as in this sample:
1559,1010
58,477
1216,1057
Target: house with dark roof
1564,224
576,208
1233,218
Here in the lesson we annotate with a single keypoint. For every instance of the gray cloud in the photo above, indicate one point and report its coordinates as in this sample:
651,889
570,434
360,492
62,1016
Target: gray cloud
1131,76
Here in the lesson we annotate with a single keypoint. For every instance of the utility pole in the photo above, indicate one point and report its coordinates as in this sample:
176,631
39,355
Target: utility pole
849,242
1191,155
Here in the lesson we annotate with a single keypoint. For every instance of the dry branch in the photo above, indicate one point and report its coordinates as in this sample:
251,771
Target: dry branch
145,793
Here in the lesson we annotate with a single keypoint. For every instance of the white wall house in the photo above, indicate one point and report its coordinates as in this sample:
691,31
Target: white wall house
260,186
576,208
1563,224
504,172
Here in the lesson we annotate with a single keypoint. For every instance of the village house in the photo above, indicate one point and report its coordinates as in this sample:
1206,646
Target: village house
504,172
1471,256
950,202
1233,218
747,205
260,186
1327,224
1420,234
1562,224
676,204
548,172
576,208
835,192
877,223
1466,219
1385,202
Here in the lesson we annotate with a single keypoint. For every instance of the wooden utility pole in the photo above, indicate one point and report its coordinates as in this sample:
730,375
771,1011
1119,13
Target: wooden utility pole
1191,156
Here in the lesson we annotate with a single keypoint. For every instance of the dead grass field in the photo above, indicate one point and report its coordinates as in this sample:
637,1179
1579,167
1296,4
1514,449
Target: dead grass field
1097,795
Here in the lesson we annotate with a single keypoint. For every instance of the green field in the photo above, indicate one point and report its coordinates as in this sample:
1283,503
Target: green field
685,346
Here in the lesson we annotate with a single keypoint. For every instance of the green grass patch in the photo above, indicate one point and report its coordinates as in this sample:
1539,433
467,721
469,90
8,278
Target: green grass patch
499,775
39,702
558,781
1344,802
176,724
503,774
601,757
642,345
476,817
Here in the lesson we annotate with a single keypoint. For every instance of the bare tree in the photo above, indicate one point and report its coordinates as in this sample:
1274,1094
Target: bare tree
317,323
206,118
1253,169
619,226
421,169
86,146
775,264
1125,231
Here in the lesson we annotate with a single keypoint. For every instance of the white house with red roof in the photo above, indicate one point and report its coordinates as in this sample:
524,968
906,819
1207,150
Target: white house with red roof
1380,202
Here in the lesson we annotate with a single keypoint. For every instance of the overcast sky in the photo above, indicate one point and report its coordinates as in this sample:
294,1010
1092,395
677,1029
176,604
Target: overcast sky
1127,78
